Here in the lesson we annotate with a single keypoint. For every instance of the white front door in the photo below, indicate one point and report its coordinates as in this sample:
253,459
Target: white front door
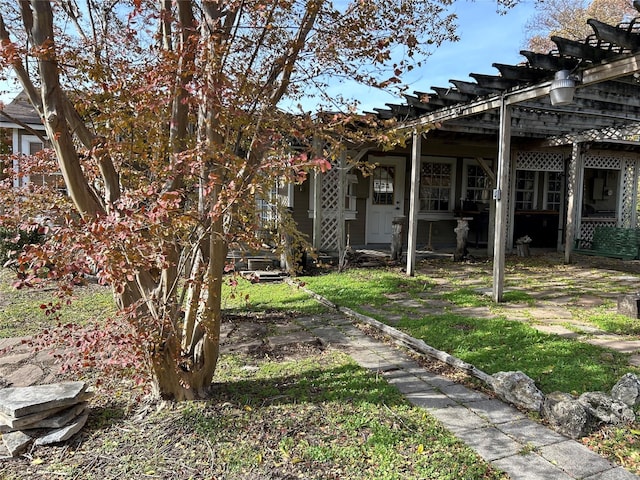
386,197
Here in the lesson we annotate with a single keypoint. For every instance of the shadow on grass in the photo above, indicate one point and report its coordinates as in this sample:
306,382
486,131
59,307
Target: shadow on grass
343,383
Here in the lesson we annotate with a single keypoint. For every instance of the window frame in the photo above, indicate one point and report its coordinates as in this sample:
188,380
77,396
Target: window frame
448,213
470,162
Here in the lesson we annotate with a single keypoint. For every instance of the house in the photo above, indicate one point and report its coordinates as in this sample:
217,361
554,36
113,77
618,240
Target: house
508,154
27,136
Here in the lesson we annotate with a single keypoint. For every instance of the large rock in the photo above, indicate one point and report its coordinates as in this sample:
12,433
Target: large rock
16,442
518,389
19,401
566,415
64,433
606,409
627,390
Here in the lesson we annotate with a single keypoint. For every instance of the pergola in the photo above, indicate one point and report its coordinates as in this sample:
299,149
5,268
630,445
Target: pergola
605,68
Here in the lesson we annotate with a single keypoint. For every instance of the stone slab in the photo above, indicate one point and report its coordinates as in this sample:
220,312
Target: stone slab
62,434
459,419
9,423
25,376
529,467
462,394
14,358
559,330
495,411
615,343
16,442
531,433
19,401
331,336
299,337
489,442
11,342
614,474
430,399
63,418
575,459
409,384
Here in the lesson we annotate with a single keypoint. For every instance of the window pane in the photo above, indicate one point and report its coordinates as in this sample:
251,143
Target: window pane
383,177
435,186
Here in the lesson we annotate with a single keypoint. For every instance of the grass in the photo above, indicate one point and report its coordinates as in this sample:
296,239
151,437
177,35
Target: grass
21,313
494,345
311,414
608,321
315,417
328,419
241,295
318,415
491,344
357,287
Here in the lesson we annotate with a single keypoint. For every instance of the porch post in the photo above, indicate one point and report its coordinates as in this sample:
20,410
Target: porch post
500,195
414,206
340,204
573,173
317,199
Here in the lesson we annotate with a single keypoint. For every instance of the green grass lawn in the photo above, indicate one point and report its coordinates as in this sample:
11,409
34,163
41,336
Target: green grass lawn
21,311
315,416
491,344
318,415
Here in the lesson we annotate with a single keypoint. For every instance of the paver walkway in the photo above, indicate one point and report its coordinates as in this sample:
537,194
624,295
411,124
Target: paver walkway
501,434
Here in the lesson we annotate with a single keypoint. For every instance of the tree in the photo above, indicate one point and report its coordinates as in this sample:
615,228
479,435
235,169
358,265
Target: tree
164,120
568,19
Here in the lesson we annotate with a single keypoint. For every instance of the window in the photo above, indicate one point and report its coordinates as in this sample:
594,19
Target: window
476,185
350,199
525,189
383,177
553,191
436,185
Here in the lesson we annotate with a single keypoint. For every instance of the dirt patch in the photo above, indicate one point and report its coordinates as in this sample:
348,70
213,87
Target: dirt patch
273,335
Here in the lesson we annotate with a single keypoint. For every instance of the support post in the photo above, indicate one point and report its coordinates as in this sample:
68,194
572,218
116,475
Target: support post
317,200
500,195
573,172
414,205
340,240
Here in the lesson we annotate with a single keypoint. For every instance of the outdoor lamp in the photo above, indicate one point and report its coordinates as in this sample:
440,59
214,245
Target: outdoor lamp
562,88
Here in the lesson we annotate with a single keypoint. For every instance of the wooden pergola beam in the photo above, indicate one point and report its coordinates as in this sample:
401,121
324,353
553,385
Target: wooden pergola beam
610,70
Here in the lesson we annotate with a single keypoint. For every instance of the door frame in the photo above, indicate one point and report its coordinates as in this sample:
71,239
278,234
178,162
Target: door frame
400,164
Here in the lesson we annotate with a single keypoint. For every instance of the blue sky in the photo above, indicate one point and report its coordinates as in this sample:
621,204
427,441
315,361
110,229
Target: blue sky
486,37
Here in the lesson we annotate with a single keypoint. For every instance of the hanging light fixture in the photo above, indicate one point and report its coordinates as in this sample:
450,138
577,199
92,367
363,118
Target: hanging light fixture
563,88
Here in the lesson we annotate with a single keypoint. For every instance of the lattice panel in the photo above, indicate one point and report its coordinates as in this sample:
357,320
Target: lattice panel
600,161
330,189
330,205
587,229
329,234
540,161
628,207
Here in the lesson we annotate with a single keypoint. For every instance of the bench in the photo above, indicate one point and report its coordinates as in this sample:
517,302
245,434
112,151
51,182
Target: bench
613,242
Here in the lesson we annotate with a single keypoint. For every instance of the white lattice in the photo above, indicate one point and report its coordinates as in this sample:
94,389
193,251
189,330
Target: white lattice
587,228
628,207
330,187
600,161
545,161
330,205
629,133
329,234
